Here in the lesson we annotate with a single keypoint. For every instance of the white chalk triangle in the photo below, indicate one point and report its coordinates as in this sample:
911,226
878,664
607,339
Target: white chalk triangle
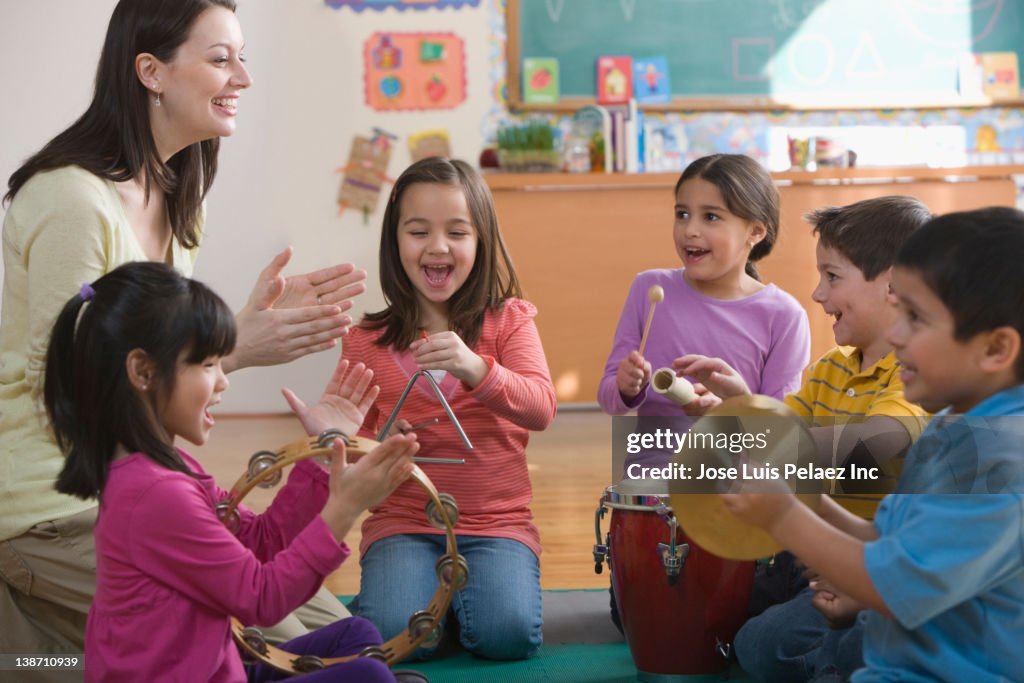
866,61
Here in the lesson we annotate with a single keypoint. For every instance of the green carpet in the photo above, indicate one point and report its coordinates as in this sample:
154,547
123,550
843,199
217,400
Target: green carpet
605,663
580,646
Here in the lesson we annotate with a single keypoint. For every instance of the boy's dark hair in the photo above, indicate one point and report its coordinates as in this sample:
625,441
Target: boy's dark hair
748,192
870,232
86,390
974,262
492,279
113,139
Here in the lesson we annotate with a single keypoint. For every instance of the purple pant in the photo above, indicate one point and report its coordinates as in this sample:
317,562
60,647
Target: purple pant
340,639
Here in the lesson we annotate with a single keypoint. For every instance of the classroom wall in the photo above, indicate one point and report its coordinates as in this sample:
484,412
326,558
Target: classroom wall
277,182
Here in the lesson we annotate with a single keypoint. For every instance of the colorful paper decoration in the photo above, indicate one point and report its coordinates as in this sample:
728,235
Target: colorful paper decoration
401,5
365,173
429,143
431,52
385,55
414,71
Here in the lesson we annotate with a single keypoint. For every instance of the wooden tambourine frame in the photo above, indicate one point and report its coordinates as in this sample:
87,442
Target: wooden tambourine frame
265,471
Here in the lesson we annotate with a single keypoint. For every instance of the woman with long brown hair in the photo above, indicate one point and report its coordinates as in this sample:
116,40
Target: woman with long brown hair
125,182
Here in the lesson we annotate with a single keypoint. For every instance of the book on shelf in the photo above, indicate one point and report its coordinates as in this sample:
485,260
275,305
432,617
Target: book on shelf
614,79
665,144
633,157
618,140
626,137
995,75
1000,75
650,80
540,80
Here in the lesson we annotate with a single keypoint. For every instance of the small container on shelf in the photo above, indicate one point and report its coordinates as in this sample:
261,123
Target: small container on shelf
577,156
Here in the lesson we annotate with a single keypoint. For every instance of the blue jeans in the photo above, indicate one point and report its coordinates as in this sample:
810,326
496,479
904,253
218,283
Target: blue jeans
499,610
791,642
340,639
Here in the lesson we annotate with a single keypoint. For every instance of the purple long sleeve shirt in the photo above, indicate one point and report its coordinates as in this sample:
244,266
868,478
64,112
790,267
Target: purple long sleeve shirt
169,573
765,337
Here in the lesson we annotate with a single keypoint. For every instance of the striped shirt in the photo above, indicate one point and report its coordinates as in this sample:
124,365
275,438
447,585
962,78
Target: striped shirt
492,489
837,389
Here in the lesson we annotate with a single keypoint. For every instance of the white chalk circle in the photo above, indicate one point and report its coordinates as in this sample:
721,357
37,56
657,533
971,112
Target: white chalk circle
806,51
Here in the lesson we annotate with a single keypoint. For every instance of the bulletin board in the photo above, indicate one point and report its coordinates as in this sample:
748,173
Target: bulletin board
769,54
414,71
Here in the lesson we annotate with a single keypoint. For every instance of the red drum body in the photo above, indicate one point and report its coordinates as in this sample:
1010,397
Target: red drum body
677,626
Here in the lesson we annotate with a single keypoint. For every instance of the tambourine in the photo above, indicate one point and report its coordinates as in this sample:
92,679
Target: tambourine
265,470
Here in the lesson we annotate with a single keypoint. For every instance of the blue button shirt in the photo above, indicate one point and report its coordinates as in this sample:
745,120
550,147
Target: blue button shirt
951,567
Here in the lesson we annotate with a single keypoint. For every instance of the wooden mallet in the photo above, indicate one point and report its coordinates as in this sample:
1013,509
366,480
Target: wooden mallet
655,295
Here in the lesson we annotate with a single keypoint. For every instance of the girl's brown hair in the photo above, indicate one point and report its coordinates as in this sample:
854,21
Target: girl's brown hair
748,192
491,281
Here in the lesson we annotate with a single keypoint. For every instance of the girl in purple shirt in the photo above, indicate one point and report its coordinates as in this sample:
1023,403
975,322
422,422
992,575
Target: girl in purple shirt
134,362
726,218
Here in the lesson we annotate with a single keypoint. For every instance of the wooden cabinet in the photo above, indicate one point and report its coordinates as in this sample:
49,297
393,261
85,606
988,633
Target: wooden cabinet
578,240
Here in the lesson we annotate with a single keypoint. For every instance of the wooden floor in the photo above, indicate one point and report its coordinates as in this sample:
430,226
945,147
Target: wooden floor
570,466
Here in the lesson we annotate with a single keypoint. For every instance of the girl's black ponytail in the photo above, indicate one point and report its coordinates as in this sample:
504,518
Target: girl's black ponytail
93,408
81,477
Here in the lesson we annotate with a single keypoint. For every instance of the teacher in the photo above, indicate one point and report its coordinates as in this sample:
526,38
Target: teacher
126,182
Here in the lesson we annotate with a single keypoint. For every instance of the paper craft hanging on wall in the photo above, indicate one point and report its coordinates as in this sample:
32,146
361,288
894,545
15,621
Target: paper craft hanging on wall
401,5
429,143
365,173
414,71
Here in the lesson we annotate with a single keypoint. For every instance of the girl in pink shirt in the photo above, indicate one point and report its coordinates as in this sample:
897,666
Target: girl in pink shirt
134,362
454,309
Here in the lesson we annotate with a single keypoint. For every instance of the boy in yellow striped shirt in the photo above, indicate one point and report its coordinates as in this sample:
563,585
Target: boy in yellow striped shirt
854,397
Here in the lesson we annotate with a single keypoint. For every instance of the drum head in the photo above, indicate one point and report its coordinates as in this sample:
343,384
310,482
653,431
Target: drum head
704,517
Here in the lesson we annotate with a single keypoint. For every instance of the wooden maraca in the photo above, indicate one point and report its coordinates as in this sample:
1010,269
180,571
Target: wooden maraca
655,295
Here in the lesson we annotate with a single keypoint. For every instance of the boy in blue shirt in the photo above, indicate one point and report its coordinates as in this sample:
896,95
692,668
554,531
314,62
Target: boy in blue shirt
942,576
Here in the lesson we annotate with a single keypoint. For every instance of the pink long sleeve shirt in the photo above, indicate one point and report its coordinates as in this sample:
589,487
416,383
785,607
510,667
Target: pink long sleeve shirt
492,489
169,573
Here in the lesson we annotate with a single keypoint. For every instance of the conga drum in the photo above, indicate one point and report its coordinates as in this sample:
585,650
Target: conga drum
683,565
680,606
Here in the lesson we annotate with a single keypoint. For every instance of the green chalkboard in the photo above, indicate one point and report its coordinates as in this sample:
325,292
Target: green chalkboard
873,51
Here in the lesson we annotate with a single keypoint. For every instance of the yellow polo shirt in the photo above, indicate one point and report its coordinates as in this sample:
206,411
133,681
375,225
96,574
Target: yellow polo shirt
838,390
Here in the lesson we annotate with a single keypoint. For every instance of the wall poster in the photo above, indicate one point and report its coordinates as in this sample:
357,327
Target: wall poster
414,71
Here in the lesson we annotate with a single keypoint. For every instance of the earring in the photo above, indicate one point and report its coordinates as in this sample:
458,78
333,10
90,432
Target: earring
157,101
